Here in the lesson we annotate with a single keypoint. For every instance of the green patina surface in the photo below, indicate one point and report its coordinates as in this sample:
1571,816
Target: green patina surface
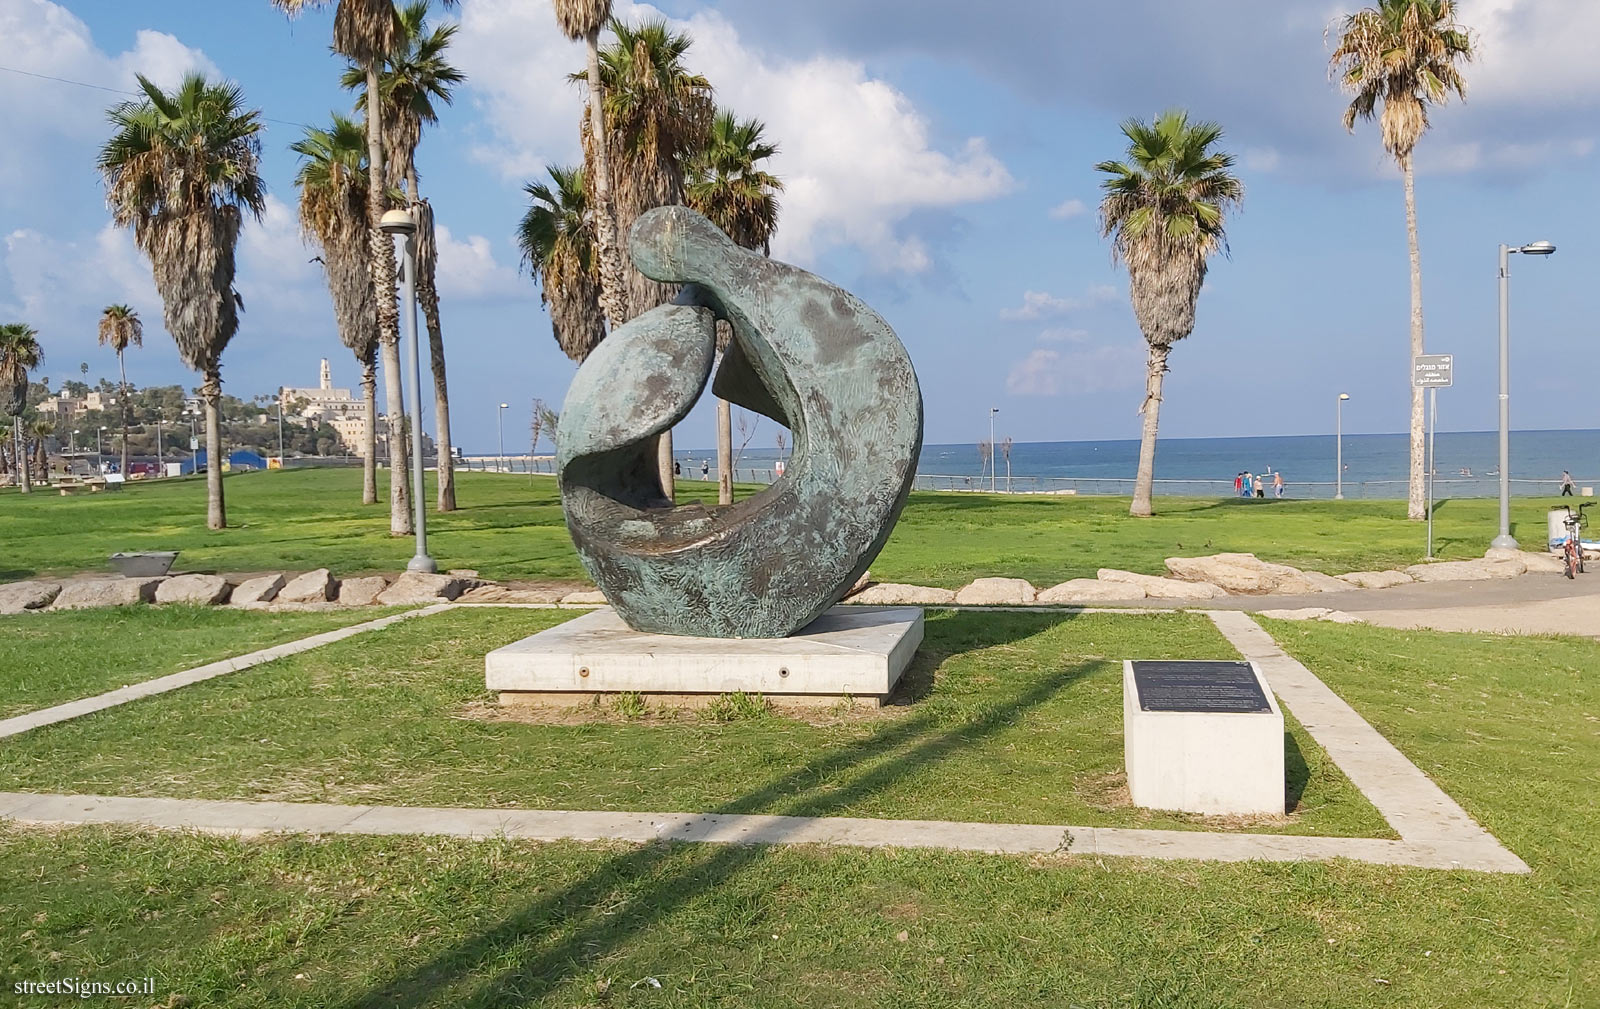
805,353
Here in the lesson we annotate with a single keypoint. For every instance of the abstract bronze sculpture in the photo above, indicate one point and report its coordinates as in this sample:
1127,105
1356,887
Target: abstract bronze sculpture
804,353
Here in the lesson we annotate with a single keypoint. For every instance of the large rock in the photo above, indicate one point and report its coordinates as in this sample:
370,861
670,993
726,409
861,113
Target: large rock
1532,563
585,597
416,587
317,586
1322,613
195,590
1376,579
997,592
492,593
1244,574
896,594
257,590
361,591
861,583
1163,588
1090,590
94,593
1466,571
19,596
1326,583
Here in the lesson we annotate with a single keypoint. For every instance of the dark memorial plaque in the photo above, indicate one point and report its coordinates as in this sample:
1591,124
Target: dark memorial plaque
1220,687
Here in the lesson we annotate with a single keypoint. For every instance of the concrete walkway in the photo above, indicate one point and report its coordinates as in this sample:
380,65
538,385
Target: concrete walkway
1413,805
162,684
258,818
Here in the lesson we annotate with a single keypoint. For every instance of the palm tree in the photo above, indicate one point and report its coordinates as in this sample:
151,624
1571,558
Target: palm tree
120,329
41,430
1404,54
333,198
182,169
657,115
583,19
416,75
1163,210
728,186
558,245
366,31
20,353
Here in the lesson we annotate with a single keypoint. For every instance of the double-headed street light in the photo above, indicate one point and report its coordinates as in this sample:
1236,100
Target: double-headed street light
1338,438
992,411
1533,249
404,224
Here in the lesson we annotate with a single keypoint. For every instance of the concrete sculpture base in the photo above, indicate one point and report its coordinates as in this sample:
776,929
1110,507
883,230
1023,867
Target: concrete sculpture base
857,652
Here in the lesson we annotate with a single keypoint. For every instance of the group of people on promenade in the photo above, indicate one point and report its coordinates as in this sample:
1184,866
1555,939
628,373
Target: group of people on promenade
1247,484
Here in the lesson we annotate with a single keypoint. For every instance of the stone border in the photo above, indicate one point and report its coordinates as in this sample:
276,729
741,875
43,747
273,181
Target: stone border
19,724
1408,799
1436,833
252,819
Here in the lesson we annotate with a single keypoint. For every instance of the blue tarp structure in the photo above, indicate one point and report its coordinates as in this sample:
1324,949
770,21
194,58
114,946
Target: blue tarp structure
237,461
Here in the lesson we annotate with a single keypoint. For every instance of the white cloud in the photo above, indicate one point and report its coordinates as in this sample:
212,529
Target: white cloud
857,157
469,270
1044,305
1261,159
1066,210
45,38
1049,372
1064,335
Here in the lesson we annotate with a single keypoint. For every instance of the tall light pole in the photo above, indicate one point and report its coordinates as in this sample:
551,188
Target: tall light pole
280,430
500,424
99,449
161,463
404,223
1532,249
992,411
1338,438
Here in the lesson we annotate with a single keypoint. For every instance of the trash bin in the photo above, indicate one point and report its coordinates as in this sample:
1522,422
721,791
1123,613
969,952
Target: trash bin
1556,519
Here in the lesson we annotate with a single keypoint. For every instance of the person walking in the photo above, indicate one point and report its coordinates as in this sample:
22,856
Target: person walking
1260,487
705,469
1249,480
1277,484
1238,483
1566,483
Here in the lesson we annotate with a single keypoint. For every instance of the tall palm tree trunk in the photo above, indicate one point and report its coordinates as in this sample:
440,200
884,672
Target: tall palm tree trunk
122,364
211,395
1144,480
383,271
21,444
441,401
369,437
613,278
724,452
428,294
1416,508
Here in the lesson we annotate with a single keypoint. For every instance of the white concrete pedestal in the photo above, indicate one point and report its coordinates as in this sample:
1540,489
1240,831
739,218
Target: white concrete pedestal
855,651
1214,762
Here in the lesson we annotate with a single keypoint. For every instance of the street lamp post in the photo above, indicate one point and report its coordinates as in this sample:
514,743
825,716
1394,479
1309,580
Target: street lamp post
1533,249
404,223
280,433
161,463
992,411
99,449
500,425
1338,438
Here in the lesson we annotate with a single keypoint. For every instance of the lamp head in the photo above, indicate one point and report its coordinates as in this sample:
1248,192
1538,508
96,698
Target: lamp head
1343,396
398,222
505,406
1537,249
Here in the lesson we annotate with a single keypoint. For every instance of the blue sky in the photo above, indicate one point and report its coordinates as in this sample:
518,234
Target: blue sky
939,164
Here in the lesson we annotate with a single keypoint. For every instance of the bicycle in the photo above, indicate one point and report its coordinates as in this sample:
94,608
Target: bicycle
1572,549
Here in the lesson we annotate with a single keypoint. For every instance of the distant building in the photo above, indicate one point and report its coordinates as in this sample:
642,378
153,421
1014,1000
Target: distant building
336,408
65,406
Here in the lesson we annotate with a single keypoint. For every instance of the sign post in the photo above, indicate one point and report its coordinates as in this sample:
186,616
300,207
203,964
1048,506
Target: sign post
1432,372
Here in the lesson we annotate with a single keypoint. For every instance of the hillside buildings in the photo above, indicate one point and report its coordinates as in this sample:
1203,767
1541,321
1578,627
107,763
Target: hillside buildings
324,404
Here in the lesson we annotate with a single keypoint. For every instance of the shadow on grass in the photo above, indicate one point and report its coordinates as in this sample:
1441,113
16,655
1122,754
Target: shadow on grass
555,939
1296,772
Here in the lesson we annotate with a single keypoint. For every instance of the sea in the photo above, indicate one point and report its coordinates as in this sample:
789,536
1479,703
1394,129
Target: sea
1466,464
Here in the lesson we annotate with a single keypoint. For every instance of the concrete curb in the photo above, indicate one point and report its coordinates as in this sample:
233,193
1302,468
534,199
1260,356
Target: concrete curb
250,819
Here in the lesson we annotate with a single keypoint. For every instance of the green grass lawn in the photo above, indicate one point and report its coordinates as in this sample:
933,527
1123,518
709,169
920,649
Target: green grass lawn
511,527
1508,726
50,658
1009,717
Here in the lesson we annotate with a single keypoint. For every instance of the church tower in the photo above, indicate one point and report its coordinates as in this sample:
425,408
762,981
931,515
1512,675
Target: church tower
327,375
